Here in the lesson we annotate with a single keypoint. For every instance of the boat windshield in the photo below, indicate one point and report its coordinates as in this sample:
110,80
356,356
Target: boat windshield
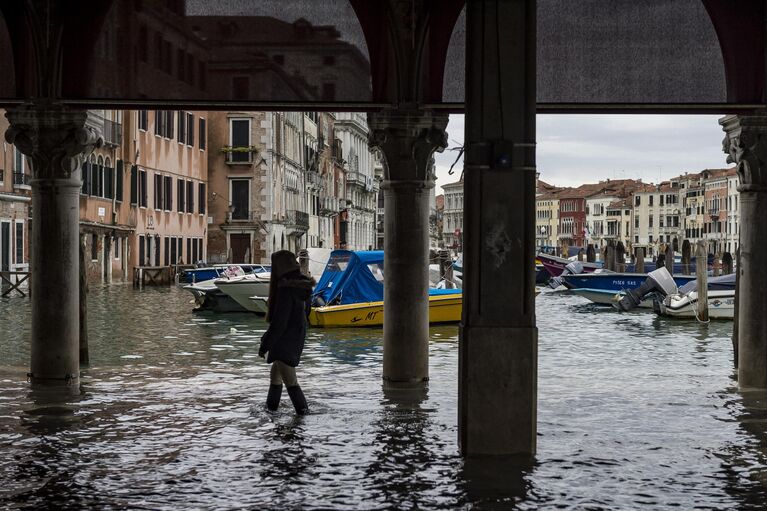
339,262
377,271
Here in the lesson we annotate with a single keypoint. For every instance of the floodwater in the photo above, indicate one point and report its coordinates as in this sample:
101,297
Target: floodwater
634,411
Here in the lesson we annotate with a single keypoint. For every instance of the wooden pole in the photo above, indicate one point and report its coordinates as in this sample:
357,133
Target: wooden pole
686,256
84,353
670,258
620,257
591,253
639,258
446,268
303,261
580,254
701,274
717,266
726,263
610,260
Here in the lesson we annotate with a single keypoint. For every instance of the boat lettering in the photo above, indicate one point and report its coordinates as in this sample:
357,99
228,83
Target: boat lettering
355,319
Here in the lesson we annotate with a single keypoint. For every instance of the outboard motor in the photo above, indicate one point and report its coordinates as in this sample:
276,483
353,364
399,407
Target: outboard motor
659,281
573,268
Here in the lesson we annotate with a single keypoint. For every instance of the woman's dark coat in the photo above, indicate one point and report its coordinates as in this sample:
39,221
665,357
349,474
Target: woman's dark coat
284,339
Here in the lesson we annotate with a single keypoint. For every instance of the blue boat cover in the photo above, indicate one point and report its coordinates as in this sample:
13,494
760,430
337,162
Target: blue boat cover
356,277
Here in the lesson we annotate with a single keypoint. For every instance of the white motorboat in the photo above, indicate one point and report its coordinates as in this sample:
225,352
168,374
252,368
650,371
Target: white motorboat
608,297
240,288
259,302
209,298
684,304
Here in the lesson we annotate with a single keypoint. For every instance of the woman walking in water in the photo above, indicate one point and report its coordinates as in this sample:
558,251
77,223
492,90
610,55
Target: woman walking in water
282,343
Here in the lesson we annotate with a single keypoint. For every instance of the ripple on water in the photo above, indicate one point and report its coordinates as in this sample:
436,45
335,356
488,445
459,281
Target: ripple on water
634,411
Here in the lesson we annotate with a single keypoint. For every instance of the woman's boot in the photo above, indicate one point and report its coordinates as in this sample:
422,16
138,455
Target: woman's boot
298,399
273,397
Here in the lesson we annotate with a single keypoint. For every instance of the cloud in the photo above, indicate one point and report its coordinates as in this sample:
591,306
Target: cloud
577,149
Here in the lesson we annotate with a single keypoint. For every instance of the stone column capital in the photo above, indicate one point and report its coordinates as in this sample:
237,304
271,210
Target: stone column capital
408,138
745,143
54,137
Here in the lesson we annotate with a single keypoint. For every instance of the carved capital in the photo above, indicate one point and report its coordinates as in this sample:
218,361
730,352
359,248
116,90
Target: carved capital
745,143
408,138
55,138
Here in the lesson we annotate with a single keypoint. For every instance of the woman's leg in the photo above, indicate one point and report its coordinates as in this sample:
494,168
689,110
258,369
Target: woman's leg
294,391
275,388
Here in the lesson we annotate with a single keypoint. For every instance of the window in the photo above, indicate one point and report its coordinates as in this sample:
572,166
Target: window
201,198
167,251
189,249
134,185
240,199
99,178
142,188
202,134
181,196
109,179
180,259
181,128
637,200
651,218
19,242
661,200
168,193
143,119
117,248
651,198
239,136
94,247
163,123
199,249
158,191
119,181
173,249
190,197
190,129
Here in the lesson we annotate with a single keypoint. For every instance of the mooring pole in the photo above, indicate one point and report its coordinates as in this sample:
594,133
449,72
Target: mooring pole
701,274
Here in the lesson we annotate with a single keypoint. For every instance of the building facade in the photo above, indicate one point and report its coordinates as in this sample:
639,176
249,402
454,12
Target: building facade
547,219
15,210
358,217
618,222
452,217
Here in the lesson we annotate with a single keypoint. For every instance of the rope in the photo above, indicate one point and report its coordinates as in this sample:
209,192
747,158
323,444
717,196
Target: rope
694,306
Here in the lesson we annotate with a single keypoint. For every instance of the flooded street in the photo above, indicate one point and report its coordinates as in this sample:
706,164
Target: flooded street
633,411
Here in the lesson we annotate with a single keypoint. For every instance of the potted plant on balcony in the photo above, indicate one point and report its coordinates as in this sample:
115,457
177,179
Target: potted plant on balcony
239,153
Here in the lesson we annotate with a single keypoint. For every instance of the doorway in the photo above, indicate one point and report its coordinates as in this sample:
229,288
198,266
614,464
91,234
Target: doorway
240,245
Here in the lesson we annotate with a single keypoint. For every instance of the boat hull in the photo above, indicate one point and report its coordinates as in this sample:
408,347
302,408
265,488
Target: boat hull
209,298
442,309
556,265
240,290
721,305
607,297
615,282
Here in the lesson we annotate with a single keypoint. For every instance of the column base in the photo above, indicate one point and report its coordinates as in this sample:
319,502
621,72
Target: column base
497,395
68,380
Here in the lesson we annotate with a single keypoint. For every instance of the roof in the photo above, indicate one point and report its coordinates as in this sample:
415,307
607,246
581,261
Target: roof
619,204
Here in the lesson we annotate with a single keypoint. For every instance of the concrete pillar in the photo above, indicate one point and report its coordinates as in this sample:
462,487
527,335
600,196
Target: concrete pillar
498,352
407,139
746,145
56,140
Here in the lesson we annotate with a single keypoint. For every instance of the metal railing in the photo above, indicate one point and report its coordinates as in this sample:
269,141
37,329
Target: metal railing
20,178
113,132
355,177
297,218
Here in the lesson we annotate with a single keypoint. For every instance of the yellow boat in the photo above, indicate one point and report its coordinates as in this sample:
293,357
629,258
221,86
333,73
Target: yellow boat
443,308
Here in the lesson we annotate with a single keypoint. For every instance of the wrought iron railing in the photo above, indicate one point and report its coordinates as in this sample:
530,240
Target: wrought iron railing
20,178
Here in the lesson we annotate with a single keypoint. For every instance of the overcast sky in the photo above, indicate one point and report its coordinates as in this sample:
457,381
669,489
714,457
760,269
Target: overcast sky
577,149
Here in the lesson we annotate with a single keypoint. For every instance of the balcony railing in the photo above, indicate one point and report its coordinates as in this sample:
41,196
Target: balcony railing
113,133
239,155
355,177
243,216
20,179
713,212
329,206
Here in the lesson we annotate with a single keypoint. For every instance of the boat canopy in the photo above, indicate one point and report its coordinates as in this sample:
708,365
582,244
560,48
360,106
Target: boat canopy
356,277
722,283
349,278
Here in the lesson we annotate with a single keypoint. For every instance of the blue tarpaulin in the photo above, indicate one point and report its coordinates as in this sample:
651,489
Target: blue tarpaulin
355,277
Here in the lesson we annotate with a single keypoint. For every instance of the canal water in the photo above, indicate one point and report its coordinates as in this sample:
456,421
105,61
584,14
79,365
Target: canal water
634,411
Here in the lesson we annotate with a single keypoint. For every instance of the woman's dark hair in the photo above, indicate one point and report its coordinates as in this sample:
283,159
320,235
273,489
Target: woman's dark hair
283,262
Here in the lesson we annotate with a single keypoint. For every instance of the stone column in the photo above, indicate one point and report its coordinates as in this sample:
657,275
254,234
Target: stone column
56,140
407,138
746,145
499,340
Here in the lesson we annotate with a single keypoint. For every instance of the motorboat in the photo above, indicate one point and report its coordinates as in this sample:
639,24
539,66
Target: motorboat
613,281
350,293
205,273
209,298
610,297
556,265
684,304
241,287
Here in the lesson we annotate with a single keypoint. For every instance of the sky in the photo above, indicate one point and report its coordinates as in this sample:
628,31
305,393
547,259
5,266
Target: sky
577,149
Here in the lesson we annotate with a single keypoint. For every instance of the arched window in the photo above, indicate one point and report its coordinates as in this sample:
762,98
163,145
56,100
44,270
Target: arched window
108,179
99,181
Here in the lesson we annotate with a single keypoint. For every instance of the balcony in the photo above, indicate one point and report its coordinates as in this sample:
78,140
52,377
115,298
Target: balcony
21,180
239,155
353,177
113,133
295,222
315,181
329,206
713,213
